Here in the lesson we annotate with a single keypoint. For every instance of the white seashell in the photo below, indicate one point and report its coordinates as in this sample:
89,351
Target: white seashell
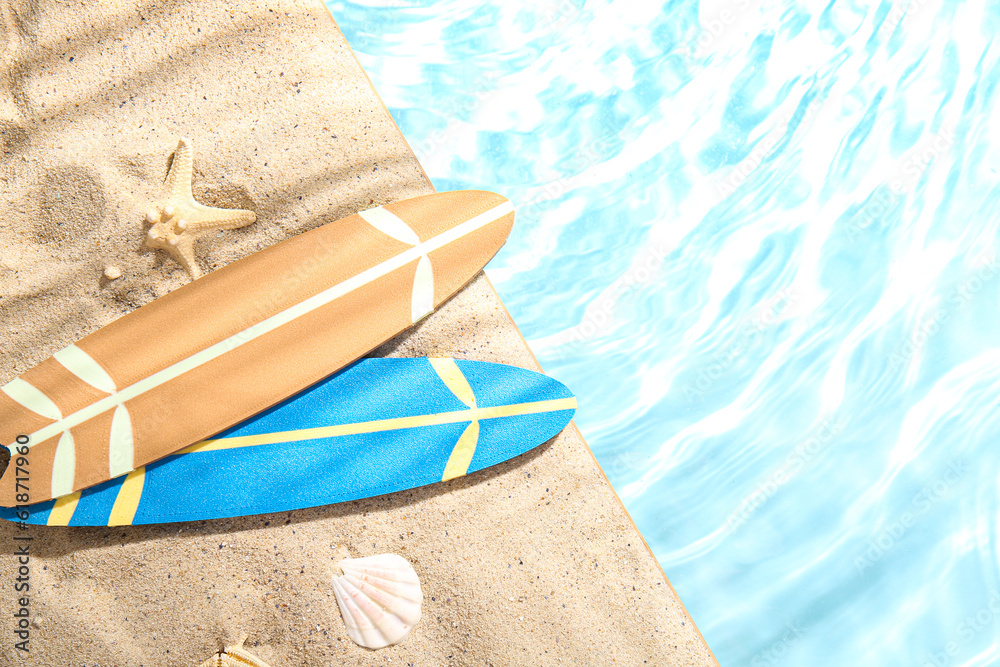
379,598
234,656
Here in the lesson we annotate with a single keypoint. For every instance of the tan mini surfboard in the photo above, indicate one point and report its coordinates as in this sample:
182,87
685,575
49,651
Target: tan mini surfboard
239,340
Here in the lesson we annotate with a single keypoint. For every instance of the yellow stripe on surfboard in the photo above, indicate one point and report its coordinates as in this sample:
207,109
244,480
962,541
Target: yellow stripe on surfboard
452,376
63,510
396,423
127,501
122,512
461,457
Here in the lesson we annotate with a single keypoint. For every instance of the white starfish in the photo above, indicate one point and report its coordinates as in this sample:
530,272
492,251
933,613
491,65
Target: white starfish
179,220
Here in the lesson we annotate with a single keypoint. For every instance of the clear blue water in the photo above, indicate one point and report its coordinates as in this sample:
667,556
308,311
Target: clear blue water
760,242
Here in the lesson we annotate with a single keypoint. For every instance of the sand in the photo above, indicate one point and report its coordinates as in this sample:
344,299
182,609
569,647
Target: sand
533,562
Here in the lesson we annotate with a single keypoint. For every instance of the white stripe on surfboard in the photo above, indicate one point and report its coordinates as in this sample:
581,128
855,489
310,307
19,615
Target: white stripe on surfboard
82,365
64,465
390,224
422,302
387,222
271,323
32,398
121,447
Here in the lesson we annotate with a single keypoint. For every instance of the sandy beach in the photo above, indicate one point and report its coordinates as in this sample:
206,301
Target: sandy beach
532,562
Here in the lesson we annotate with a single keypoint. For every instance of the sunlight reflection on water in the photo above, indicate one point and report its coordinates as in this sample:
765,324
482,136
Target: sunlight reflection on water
759,241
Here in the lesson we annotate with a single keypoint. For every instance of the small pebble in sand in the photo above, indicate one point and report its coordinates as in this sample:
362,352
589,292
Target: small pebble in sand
112,272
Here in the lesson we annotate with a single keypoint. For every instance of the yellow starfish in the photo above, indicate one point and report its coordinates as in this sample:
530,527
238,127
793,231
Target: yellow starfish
179,220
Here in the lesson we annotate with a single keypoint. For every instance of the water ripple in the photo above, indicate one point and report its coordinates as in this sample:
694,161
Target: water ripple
760,242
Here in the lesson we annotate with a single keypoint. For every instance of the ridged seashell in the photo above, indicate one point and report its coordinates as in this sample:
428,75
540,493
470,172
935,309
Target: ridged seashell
379,598
234,656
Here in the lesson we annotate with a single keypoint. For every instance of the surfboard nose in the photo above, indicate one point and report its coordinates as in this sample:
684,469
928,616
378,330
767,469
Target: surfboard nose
463,229
431,215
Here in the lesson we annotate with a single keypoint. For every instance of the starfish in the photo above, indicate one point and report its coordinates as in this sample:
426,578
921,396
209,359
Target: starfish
235,656
178,220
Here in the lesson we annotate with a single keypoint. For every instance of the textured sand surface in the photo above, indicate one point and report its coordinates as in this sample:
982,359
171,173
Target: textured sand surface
533,562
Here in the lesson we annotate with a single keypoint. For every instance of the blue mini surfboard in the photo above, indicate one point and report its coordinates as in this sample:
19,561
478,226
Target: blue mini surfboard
381,425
